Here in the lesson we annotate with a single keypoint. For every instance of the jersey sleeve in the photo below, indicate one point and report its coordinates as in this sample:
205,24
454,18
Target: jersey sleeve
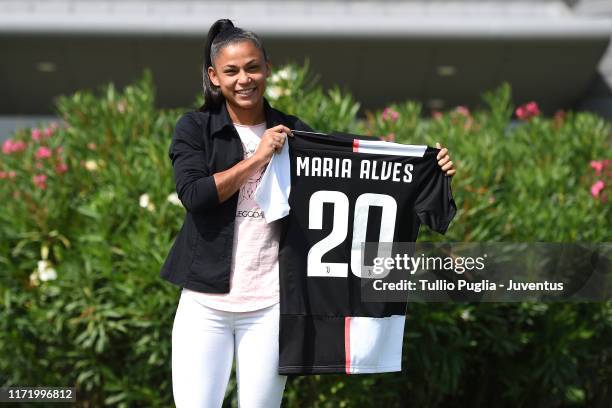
434,204
272,193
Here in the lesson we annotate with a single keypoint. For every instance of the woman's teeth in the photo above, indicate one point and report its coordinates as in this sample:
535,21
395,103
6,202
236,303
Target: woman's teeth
245,92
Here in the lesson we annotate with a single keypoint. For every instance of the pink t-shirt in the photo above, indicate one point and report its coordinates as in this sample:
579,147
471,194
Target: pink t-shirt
254,269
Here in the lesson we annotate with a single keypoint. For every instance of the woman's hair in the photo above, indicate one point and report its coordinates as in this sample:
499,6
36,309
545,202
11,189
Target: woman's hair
222,33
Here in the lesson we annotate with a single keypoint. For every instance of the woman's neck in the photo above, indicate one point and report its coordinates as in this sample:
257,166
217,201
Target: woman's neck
247,117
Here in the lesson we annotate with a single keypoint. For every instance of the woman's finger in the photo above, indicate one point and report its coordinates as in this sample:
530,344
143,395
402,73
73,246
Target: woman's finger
281,129
442,153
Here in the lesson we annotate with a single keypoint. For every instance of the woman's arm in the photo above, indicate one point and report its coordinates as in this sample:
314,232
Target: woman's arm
195,185
197,188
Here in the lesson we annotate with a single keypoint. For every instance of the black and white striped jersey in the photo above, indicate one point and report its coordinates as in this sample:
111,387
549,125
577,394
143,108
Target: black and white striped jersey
338,191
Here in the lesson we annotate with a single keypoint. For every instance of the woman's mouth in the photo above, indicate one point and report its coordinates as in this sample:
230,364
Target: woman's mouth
246,92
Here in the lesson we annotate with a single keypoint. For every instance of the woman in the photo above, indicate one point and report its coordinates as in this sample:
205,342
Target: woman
226,257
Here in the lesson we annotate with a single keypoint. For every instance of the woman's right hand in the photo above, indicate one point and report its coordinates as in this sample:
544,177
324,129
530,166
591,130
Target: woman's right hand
271,142
229,181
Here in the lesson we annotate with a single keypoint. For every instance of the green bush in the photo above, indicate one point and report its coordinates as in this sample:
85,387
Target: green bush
81,249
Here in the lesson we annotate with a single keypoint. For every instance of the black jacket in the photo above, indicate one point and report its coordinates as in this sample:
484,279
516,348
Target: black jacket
205,143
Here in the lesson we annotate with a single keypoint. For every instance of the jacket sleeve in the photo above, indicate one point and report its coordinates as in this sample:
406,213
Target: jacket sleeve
195,185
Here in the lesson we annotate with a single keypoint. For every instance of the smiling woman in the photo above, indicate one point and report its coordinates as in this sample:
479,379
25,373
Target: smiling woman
241,74
236,68
226,256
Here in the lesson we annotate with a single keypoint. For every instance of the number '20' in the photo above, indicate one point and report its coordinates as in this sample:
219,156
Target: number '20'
340,230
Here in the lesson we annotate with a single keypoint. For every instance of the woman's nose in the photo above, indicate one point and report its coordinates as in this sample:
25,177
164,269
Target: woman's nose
244,77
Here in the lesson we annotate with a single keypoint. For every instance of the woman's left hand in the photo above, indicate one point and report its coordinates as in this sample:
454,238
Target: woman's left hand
444,161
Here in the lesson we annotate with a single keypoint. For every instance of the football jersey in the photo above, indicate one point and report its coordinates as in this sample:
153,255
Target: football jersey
338,191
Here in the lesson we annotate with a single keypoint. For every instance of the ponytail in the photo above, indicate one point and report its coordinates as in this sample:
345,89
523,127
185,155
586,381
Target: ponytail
220,34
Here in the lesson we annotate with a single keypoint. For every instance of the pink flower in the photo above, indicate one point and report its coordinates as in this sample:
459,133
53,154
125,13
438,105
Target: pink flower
596,188
43,153
91,146
532,107
61,168
48,131
36,134
121,107
462,110
40,181
390,114
7,174
436,115
19,146
7,146
59,149
597,165
527,111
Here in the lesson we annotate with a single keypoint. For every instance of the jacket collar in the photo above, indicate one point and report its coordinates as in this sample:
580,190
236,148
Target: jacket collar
220,118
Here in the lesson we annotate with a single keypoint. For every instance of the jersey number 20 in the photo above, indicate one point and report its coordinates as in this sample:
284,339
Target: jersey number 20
340,230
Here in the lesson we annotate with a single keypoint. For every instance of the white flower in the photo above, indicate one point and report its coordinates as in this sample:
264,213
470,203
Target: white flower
146,203
144,200
274,78
45,271
466,315
275,92
283,75
173,199
91,165
286,74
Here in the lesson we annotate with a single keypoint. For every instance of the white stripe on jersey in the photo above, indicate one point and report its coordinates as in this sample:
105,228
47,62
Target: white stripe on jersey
373,344
390,148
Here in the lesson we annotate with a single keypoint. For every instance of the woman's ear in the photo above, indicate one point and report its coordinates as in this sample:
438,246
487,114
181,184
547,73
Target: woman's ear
212,75
268,68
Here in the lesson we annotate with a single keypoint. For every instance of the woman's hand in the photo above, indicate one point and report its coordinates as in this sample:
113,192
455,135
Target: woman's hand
271,142
444,161
229,181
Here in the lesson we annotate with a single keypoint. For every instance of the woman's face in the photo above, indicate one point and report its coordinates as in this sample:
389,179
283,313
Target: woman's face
240,71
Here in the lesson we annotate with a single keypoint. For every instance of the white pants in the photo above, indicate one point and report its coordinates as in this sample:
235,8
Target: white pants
203,345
